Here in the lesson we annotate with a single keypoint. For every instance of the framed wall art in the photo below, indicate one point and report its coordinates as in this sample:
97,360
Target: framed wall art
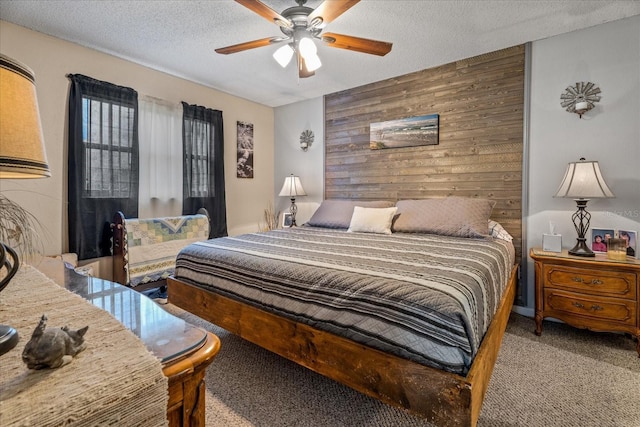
407,132
244,164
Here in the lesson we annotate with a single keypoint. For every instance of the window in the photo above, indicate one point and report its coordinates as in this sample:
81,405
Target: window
103,162
203,165
160,135
197,154
107,135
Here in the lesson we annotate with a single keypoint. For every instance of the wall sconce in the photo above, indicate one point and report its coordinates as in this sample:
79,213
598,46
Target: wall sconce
580,98
306,139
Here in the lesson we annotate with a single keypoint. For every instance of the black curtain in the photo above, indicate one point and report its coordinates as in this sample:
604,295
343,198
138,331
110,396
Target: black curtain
203,182
102,161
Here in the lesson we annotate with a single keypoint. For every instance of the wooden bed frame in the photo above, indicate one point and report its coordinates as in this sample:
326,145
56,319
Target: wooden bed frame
443,398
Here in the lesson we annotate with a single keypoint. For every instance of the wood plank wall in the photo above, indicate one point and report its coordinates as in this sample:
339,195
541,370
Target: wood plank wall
480,102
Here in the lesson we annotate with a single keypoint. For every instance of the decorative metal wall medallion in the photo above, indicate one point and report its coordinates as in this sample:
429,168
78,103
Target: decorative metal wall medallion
306,139
581,92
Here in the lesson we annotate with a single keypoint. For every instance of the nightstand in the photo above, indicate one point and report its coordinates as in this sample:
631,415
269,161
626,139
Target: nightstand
595,293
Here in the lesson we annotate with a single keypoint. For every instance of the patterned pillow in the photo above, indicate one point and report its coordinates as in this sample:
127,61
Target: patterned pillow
497,231
337,213
451,216
372,220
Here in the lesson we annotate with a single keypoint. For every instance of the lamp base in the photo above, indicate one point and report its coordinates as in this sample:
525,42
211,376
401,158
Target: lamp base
8,338
581,249
9,260
581,219
293,209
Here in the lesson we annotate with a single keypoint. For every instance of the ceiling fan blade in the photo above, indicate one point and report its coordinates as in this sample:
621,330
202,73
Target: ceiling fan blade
358,44
249,45
302,68
266,12
328,11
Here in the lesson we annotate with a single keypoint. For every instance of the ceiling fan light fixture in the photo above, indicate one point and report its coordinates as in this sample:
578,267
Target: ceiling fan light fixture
312,62
301,25
283,55
307,47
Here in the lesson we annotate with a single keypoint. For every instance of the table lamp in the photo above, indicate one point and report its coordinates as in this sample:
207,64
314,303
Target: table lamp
583,181
22,155
292,188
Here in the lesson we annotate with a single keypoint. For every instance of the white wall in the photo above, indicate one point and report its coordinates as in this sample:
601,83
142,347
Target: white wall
609,56
51,59
290,121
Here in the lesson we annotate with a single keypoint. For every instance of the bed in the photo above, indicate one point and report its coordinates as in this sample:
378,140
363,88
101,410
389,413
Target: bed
405,302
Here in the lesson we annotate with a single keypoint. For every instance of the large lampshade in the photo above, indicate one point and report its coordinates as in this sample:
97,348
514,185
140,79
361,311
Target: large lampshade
583,181
22,153
292,187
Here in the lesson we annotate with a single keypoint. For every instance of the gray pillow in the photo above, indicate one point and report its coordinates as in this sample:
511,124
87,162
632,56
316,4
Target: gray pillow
451,216
337,213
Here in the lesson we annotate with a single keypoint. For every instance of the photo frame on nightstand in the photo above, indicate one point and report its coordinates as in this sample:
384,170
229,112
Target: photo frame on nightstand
287,219
599,236
632,242
598,241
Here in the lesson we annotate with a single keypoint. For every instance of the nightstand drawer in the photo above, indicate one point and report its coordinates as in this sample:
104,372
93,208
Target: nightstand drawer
609,309
591,281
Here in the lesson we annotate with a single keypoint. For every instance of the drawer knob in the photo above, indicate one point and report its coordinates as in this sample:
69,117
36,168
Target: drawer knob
588,282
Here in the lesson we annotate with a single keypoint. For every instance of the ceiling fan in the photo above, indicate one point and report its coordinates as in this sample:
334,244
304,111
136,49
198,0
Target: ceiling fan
301,25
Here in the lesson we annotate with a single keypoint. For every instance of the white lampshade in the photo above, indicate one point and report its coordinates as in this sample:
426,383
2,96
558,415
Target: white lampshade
292,187
22,153
283,55
583,180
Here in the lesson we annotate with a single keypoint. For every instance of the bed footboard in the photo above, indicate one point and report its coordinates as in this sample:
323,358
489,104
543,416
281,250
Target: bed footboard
443,398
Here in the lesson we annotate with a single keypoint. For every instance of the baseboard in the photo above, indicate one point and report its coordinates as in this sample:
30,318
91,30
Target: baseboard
525,311
530,312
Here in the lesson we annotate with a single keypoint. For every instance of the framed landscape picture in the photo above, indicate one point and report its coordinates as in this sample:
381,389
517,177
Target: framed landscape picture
407,132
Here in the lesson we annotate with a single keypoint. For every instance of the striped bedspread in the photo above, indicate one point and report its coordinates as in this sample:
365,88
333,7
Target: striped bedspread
423,297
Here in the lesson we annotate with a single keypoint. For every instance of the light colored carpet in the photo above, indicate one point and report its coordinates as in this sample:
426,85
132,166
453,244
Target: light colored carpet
566,377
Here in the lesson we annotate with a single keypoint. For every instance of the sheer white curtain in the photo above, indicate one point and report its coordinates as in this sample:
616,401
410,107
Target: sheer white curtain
160,136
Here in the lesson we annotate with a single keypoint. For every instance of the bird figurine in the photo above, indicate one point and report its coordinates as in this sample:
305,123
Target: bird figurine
53,347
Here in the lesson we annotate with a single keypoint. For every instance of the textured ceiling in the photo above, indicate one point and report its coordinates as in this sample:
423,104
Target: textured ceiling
179,37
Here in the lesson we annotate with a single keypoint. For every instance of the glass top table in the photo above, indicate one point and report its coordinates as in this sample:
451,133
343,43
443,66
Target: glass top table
168,337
